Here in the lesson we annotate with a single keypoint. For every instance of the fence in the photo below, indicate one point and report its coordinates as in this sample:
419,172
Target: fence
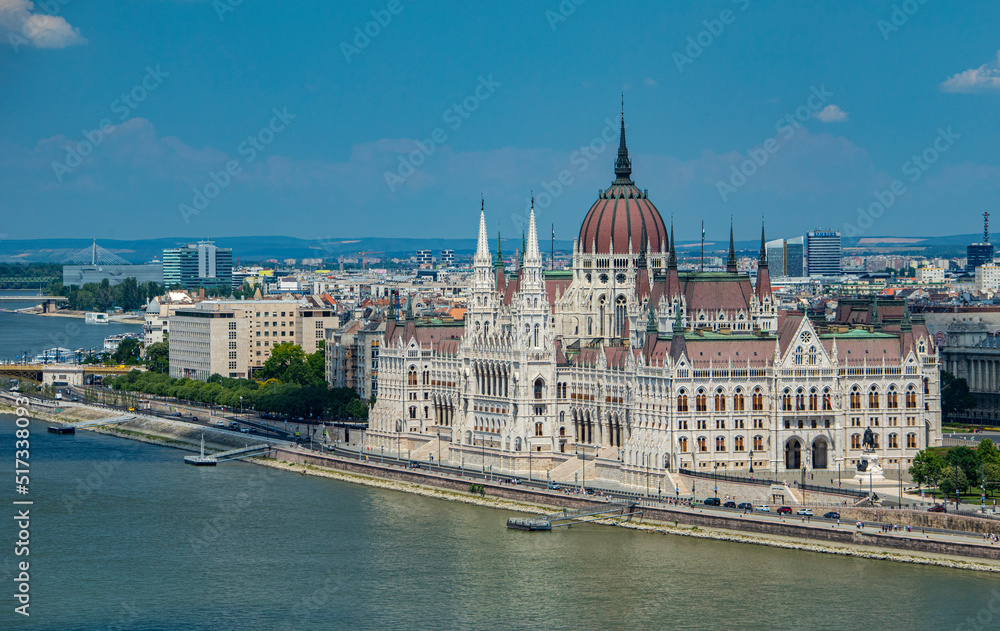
767,482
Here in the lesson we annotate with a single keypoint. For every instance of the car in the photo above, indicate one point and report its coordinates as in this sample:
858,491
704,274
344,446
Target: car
938,508
713,501
831,515
784,510
194,418
805,512
245,430
729,504
176,414
553,486
220,423
234,426
745,506
252,430
763,508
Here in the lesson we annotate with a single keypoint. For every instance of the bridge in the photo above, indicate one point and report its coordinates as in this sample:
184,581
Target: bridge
35,372
48,302
71,429
233,454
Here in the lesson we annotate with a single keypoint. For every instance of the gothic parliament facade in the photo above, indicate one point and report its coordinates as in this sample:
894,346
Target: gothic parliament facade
623,366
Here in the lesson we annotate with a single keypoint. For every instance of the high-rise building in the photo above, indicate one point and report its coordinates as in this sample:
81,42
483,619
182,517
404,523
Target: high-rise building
448,258
978,254
776,257
199,264
424,257
794,253
823,256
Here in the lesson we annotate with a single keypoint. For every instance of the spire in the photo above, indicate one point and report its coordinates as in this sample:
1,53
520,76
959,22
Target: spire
643,240
763,287
731,262
483,246
531,253
499,262
762,260
391,314
409,308
520,262
672,261
623,166
651,322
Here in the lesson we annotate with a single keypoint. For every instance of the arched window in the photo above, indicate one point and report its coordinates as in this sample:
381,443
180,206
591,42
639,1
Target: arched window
738,401
893,441
427,377
758,400
620,316
855,398
800,399
538,387
911,396
786,400
720,400
855,441
813,400
892,398
682,443
875,437
827,403
682,401
702,444
601,302
411,377
720,443
812,355
873,398
758,443
700,401
738,444
538,429
799,356
911,441
517,443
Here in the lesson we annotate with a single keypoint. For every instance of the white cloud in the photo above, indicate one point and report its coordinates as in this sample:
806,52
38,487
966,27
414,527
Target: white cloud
981,79
651,82
21,25
831,114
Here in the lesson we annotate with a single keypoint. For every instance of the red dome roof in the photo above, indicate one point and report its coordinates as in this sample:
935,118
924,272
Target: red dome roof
622,213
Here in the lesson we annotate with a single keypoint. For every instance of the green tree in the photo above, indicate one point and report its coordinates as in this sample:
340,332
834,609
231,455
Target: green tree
127,352
953,480
955,395
964,458
987,452
926,468
158,357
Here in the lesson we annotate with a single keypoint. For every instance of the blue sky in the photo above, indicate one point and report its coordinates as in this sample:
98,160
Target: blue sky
279,118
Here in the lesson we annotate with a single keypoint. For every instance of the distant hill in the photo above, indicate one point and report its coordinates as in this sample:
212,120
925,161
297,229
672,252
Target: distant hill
261,248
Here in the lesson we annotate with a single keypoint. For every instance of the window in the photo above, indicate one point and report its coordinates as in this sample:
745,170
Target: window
758,443
413,411
812,355
855,398
799,356
702,444
682,443
682,402
720,400
682,424
911,441
738,444
827,403
411,377
758,400
893,441
875,437
700,402
786,400
813,400
720,443
892,398
738,401
911,396
538,388
855,441
538,429
873,398
800,399
720,424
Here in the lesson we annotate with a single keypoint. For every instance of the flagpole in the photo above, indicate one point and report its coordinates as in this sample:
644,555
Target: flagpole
552,255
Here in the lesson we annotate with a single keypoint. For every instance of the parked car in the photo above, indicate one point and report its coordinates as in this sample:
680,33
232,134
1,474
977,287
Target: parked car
763,508
938,508
234,426
745,506
245,430
805,512
784,510
220,423
831,515
252,430
729,504
713,501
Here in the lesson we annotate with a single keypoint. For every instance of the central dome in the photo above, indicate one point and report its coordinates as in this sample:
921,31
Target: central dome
622,213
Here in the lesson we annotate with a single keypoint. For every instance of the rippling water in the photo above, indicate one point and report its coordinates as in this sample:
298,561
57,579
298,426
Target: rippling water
125,536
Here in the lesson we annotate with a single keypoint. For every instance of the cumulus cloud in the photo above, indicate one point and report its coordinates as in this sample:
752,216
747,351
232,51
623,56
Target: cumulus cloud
22,25
831,114
981,79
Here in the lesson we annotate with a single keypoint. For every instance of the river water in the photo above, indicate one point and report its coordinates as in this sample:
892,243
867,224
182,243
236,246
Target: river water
20,332
125,536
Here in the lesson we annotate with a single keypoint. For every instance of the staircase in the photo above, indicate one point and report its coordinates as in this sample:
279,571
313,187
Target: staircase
423,452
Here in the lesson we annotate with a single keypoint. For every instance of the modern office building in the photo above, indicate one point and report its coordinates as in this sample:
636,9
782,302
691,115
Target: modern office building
424,257
823,253
80,275
776,257
448,258
199,264
794,253
977,255
204,342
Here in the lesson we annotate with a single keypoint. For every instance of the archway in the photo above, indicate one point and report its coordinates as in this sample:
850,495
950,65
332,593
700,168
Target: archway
793,454
819,450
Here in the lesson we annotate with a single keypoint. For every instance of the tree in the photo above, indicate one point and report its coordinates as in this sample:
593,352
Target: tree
953,480
127,352
926,468
987,452
965,459
955,395
158,357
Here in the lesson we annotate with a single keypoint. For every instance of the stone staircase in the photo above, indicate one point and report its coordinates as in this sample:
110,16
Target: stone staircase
423,452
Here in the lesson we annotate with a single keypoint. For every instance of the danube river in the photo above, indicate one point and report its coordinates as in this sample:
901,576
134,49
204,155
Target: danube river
125,536
20,332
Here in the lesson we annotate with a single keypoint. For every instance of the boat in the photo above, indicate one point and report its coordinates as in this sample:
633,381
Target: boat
521,523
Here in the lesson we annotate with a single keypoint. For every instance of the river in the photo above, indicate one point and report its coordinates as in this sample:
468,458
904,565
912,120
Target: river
125,536
20,332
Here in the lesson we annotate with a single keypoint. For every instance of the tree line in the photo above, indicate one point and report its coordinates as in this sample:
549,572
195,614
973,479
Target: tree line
956,469
129,295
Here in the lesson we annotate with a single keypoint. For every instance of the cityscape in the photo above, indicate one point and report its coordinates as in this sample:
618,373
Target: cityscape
392,362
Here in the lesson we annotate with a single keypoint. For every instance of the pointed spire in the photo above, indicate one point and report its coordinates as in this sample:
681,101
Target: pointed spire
520,262
651,322
391,315
762,260
763,287
623,166
672,260
731,261
531,252
483,245
409,308
499,262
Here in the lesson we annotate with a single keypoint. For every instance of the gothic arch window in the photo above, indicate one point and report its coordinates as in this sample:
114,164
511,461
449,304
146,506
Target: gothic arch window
682,443
892,398
600,302
620,315
786,400
758,400
873,398
855,397
536,336
812,355
720,400
911,441
539,385
799,355
411,376
800,399
813,400
827,402
758,443
700,401
738,401
682,401
911,396
855,441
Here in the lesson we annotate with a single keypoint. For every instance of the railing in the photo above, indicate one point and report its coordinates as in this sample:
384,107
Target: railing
767,482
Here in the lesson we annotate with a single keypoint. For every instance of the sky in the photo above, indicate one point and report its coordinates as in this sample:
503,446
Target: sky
207,118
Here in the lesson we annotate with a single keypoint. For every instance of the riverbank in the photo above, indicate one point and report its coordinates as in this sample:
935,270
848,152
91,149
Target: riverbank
180,435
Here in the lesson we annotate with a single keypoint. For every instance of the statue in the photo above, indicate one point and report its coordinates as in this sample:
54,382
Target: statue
862,466
868,442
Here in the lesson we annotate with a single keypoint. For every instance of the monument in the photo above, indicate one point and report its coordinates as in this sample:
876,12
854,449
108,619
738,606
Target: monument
869,470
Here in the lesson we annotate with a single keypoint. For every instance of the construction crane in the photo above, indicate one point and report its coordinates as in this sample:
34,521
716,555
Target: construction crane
364,259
